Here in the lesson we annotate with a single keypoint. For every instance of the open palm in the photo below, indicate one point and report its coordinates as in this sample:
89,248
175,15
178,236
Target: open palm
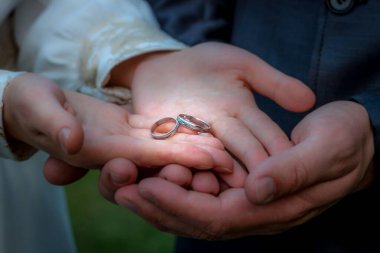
214,81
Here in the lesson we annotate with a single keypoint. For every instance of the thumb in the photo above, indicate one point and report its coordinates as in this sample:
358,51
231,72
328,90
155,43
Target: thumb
287,172
56,119
58,172
288,92
114,175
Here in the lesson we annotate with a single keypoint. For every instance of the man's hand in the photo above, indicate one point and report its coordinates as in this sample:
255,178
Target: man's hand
331,159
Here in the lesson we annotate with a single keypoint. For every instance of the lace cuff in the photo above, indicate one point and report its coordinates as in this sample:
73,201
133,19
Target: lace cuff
115,42
82,47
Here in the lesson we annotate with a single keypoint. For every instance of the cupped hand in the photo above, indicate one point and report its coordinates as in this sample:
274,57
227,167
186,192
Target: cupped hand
111,132
214,81
332,158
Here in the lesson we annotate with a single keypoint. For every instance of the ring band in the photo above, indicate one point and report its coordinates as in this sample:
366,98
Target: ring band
193,123
162,136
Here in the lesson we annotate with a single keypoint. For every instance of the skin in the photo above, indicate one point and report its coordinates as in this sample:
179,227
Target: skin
285,187
303,186
226,102
214,82
298,185
44,104
50,109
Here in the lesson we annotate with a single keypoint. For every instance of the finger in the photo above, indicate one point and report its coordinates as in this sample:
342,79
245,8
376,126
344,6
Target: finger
179,202
130,198
54,118
223,162
239,141
290,171
206,182
163,152
268,133
177,174
114,175
204,215
237,178
286,91
60,173
142,121
230,215
226,216
199,139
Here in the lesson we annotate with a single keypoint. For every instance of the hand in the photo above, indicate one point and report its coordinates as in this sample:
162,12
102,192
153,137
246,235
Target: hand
334,148
214,81
331,158
111,132
36,113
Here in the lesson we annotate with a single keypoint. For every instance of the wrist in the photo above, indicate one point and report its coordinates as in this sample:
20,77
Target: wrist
9,121
19,150
123,73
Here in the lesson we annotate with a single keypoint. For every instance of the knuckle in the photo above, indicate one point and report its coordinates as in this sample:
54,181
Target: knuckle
214,230
278,143
299,175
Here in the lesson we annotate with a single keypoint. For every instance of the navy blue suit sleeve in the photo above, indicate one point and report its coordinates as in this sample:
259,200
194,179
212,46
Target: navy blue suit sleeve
195,21
371,101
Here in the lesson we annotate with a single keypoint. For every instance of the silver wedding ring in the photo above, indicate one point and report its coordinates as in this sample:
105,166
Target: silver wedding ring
185,120
162,136
193,123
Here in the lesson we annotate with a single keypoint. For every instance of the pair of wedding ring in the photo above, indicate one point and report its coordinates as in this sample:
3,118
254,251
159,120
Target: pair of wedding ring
185,120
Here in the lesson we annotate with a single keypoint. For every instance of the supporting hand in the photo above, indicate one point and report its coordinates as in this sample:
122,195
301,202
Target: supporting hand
331,159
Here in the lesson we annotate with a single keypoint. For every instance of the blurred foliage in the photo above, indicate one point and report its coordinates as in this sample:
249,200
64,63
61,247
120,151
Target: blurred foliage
102,227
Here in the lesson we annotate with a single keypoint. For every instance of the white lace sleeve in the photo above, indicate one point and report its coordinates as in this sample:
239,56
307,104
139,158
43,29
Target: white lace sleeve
77,42
18,152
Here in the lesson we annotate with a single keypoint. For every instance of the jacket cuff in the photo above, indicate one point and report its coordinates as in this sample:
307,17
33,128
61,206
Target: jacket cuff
371,101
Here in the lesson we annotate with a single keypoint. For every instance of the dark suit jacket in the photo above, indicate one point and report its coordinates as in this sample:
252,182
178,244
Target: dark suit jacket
338,56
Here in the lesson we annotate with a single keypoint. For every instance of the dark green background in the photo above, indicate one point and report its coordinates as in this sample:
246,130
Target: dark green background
102,227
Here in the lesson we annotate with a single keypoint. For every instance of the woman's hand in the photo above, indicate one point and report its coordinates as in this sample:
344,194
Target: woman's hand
332,158
215,81
37,113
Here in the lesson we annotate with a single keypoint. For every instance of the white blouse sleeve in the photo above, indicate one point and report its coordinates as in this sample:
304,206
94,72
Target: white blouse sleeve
77,42
18,152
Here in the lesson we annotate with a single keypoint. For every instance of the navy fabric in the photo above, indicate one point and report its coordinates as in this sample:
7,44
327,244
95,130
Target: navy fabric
195,21
338,56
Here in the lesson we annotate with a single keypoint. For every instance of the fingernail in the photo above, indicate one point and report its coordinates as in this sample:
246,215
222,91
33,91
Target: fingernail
118,179
63,135
224,170
265,190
